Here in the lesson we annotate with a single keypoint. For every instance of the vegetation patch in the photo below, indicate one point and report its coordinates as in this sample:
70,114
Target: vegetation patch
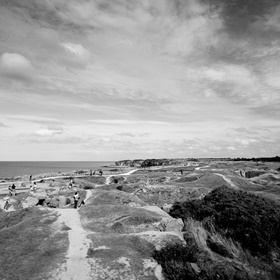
32,246
251,220
197,261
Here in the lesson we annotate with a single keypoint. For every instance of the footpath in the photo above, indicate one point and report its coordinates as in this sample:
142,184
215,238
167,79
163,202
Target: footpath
77,266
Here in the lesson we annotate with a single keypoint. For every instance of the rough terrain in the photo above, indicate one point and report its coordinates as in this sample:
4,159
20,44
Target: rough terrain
125,216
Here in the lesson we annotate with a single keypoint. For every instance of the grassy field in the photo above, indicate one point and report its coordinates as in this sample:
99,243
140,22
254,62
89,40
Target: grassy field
32,244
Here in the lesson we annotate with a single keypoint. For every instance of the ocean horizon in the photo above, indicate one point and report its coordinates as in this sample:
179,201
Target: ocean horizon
21,168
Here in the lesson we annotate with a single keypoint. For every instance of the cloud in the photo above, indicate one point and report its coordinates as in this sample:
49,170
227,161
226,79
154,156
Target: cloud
126,134
245,130
168,70
16,66
130,122
50,131
76,49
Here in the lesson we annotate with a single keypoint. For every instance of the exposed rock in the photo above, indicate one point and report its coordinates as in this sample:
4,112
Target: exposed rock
171,224
39,195
62,201
29,202
166,207
253,173
157,210
161,239
54,202
69,200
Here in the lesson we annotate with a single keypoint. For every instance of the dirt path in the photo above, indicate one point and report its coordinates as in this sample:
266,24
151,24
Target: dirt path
77,266
228,181
108,177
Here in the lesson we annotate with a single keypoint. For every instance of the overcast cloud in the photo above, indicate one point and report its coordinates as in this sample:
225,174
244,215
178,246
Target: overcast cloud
108,80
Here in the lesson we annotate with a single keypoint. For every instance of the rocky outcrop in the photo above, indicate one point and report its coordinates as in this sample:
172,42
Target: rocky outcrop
29,201
39,194
253,173
126,232
171,224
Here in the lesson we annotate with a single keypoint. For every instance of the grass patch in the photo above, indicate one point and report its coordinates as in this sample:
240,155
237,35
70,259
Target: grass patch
128,246
198,260
251,220
30,248
116,218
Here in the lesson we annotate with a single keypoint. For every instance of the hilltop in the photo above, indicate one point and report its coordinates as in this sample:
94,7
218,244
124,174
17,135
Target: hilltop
187,220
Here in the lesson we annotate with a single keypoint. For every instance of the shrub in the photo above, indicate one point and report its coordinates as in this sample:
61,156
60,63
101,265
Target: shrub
251,220
175,261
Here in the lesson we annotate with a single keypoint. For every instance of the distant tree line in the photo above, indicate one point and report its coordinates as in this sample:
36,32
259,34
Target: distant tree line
263,159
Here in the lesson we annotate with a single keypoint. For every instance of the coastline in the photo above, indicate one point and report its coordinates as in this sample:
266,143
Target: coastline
19,181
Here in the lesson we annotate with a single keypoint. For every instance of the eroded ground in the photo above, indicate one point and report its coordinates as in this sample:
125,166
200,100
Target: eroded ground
125,218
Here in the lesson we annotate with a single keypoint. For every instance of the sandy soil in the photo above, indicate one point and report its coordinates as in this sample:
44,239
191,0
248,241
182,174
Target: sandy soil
77,266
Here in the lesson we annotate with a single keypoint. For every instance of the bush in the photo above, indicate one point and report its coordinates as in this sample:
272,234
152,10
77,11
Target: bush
175,261
88,187
251,220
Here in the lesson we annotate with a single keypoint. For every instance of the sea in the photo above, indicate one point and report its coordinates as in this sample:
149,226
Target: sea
20,168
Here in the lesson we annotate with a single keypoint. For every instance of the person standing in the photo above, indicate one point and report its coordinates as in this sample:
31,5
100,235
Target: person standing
70,184
10,191
76,199
34,187
7,203
13,190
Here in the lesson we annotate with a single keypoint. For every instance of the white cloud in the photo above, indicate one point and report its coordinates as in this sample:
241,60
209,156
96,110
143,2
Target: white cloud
50,131
76,49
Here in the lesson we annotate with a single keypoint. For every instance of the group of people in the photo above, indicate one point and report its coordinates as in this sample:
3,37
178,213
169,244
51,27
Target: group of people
94,172
33,187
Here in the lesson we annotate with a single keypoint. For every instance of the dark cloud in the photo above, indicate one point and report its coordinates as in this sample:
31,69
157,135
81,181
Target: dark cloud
240,15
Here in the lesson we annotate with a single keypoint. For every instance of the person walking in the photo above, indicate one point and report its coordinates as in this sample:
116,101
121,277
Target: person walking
76,199
7,203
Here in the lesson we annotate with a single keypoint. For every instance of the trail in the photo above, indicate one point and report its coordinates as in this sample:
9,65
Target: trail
201,167
107,182
228,181
77,266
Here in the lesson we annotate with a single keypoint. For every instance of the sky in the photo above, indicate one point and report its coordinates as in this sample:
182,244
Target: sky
93,80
